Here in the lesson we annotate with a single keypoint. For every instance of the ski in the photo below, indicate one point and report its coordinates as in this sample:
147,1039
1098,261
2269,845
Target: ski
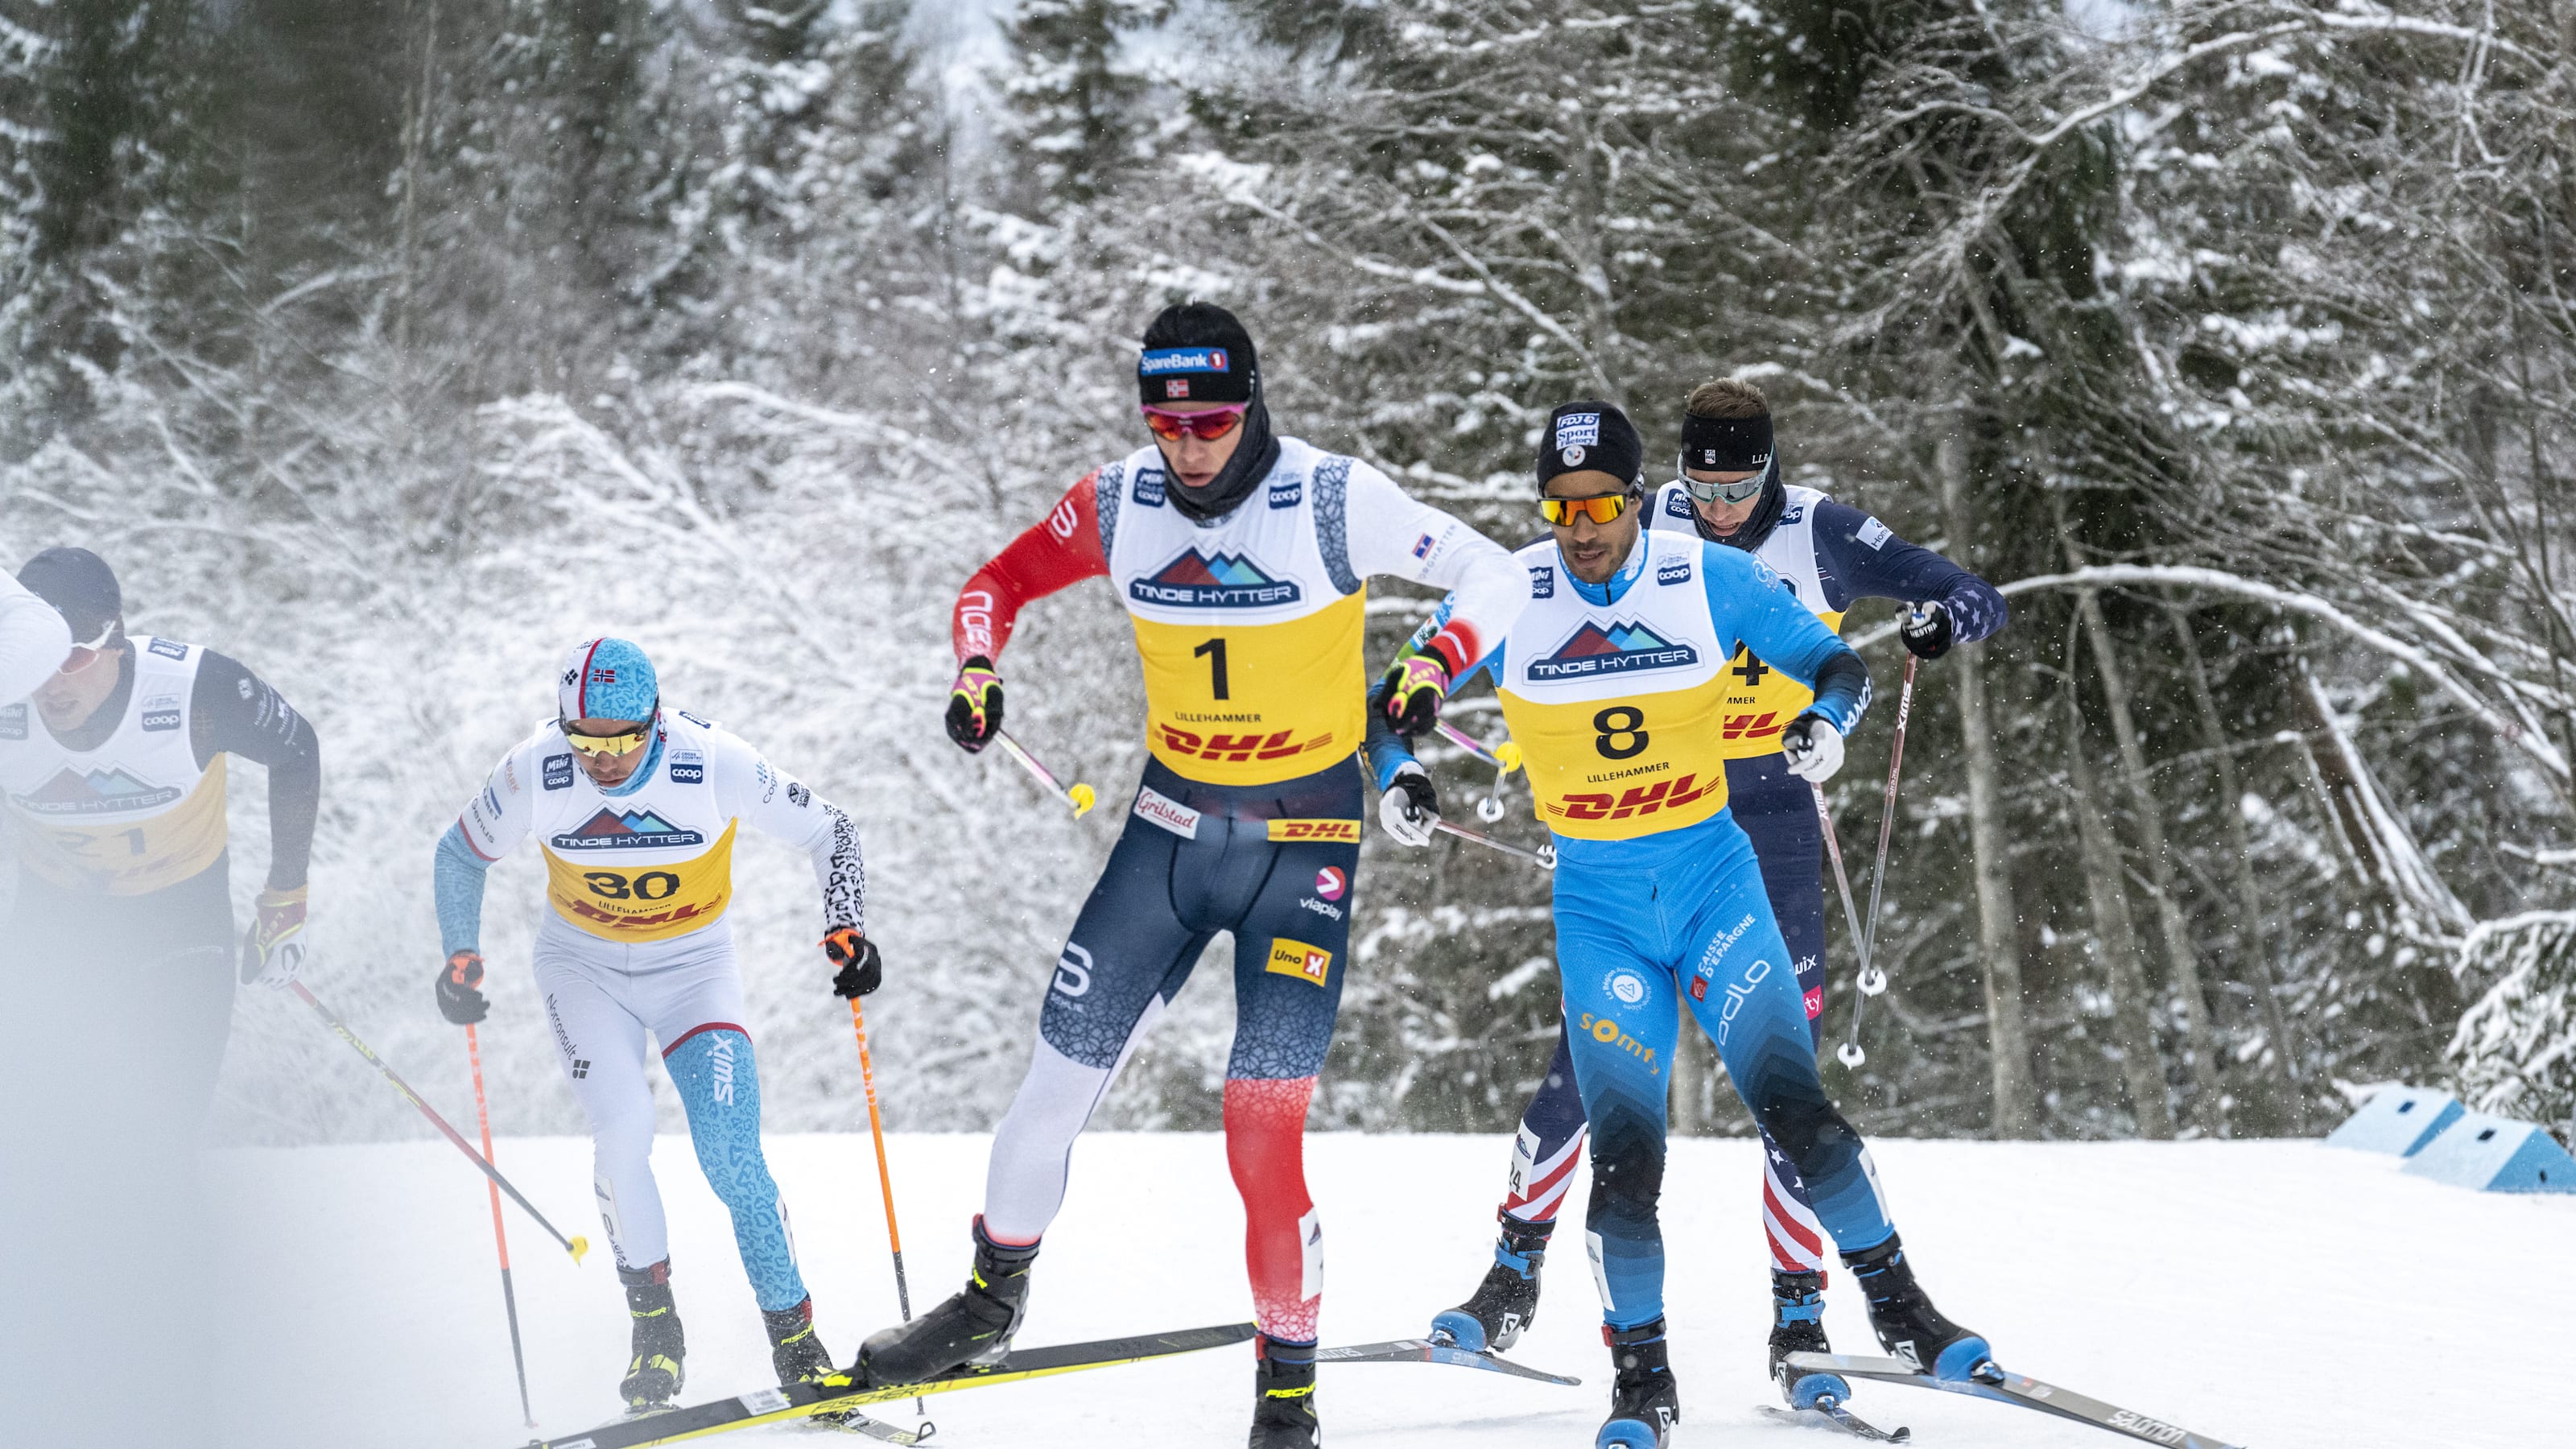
1830,1415
800,1401
2019,1389
1423,1350
858,1423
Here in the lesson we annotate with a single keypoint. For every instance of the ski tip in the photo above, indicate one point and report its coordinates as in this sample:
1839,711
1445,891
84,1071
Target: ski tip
1083,798
578,1247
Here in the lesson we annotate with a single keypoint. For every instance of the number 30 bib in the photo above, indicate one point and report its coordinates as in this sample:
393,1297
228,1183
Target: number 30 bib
1617,707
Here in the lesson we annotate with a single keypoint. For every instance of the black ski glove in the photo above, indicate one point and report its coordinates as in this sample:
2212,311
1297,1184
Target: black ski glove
862,969
1926,630
458,1000
975,705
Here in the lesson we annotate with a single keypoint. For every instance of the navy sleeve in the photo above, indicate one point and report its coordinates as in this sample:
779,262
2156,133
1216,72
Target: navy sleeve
1864,559
235,712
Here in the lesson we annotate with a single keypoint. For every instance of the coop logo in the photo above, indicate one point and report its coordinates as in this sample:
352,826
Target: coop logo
1594,651
558,772
1543,581
627,830
1673,571
96,792
13,722
161,712
1149,487
1163,361
1288,494
1678,505
688,767
1227,581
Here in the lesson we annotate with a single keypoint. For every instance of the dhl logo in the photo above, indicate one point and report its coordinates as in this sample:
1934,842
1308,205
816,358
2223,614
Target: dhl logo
1751,726
574,905
1238,748
1343,831
1637,800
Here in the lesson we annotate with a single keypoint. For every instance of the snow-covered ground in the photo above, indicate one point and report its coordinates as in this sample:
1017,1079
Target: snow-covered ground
2273,1294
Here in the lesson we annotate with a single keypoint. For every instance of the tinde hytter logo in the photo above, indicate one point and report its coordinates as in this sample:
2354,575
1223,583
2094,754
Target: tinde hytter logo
1593,650
1227,581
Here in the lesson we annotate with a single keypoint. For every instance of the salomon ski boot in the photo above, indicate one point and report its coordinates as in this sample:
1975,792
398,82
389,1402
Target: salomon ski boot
1507,1301
973,1326
1645,1403
654,1376
1283,1396
1908,1326
1798,1326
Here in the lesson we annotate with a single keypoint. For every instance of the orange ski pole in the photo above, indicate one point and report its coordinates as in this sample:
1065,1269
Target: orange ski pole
500,1237
885,1175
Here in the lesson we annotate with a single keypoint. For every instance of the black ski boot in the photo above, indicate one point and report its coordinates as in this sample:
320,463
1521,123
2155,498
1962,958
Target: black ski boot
973,1326
1507,1301
654,1376
795,1350
1645,1403
1908,1326
1283,1396
1798,1326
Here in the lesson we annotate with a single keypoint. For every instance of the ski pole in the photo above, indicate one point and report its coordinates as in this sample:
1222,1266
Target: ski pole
575,1245
885,1175
1080,796
500,1238
1850,1054
1505,758
1872,979
1545,855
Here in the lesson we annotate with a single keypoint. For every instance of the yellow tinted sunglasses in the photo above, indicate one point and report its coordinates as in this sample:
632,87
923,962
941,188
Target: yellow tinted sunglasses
1604,509
595,745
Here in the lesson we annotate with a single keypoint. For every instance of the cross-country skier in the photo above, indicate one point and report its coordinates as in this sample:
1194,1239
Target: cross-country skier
1241,558
34,641
1616,683
635,808
115,769
1730,492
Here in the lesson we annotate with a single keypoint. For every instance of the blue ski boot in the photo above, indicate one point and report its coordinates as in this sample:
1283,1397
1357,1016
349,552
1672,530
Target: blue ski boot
1507,1301
1908,1326
1645,1403
1798,1326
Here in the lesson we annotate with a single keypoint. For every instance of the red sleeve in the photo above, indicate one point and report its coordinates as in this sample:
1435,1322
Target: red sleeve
1056,554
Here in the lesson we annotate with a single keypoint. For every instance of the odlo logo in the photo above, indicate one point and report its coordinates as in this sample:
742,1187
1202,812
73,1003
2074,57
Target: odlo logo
720,1066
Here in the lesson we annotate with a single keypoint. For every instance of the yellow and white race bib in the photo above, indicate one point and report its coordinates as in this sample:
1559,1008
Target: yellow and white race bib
133,816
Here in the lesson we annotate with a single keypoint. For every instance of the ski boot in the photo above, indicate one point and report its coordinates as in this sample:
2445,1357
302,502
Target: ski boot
654,1376
973,1326
1645,1403
1908,1326
1507,1301
1798,1326
1283,1396
794,1348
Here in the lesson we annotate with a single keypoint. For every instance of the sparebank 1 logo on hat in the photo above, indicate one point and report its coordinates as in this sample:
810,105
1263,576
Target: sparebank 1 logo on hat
1576,432
1158,361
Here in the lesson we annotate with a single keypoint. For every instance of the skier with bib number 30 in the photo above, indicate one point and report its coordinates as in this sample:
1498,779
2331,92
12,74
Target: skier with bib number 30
635,808
1241,558
1617,671
1729,490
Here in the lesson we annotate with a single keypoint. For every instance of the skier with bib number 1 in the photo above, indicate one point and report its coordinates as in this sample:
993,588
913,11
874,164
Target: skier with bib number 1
1242,559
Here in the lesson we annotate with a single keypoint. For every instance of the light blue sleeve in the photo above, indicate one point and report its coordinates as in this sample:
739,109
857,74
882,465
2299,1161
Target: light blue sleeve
1754,608
457,882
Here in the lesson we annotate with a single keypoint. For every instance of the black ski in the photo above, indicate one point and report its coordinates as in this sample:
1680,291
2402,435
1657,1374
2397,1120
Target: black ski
1424,1350
858,1423
2018,1389
1829,1415
800,1401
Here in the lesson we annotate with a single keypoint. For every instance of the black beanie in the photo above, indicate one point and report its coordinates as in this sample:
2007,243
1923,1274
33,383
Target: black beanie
1726,445
1589,435
80,586
1197,352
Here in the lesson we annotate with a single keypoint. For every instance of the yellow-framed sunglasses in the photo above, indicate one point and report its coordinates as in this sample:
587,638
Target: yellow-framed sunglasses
1604,508
596,745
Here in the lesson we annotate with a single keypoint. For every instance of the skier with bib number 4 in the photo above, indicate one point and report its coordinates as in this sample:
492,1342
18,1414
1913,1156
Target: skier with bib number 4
1619,667
635,808
1729,490
1241,558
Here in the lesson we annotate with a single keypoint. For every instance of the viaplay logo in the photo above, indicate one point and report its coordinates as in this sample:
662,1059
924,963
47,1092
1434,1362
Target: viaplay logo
630,830
1227,581
1160,361
1595,651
